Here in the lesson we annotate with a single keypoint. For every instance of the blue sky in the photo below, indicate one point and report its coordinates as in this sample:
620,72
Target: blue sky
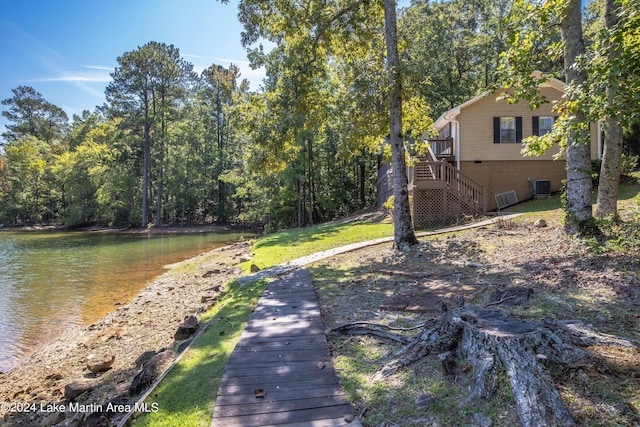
65,49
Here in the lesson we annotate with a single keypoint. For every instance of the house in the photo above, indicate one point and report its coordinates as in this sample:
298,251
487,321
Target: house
476,165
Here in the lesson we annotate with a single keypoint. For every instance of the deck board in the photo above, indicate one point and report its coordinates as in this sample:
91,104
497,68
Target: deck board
283,352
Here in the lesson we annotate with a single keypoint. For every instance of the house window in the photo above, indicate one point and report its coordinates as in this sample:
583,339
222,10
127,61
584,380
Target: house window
507,130
542,125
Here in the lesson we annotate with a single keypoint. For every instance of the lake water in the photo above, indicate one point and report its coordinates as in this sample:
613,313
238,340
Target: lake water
51,281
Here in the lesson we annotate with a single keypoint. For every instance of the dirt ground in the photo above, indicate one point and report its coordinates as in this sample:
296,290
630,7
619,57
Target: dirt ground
377,284
563,278
148,323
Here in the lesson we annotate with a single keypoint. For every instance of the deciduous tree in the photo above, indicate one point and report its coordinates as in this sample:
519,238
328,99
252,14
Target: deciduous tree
530,46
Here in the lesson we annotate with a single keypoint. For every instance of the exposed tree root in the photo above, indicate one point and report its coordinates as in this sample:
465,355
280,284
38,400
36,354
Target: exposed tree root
490,339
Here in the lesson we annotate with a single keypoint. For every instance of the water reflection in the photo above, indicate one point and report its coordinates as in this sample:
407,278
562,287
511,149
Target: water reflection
52,281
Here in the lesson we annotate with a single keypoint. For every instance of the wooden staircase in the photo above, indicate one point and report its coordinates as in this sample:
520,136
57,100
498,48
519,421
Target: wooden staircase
440,194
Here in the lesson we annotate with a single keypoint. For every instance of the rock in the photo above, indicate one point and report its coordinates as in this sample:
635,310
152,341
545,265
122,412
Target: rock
96,419
254,268
144,358
211,273
424,400
151,372
103,417
104,336
54,376
76,388
53,419
97,364
245,258
540,223
208,298
482,420
188,328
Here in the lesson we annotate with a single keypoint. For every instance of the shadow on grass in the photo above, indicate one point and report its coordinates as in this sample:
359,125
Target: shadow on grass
601,391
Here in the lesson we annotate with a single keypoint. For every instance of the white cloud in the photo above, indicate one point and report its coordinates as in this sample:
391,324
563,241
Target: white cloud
232,61
76,78
98,67
188,55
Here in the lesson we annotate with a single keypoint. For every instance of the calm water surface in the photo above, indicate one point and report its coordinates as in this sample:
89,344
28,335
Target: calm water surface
51,281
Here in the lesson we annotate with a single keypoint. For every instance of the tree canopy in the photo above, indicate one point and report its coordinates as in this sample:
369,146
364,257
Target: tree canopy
172,146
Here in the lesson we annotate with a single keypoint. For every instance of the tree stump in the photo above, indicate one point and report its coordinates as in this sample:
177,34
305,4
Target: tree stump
490,338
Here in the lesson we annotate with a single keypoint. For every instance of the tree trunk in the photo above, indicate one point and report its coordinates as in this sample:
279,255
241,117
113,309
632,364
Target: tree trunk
491,339
578,191
300,204
310,180
146,170
403,230
611,157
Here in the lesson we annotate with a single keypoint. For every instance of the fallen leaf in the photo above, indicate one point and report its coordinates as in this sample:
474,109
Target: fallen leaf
321,365
259,393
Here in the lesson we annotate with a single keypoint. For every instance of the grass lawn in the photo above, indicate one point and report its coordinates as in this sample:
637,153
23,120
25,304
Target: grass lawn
276,248
186,397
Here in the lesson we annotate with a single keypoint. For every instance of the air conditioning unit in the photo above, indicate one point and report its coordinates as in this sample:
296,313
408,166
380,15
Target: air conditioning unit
541,188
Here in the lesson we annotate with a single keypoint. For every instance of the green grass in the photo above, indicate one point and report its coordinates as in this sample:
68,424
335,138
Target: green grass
551,207
276,248
186,397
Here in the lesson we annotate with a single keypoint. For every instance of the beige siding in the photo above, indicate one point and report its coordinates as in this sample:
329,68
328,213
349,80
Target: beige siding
518,175
476,127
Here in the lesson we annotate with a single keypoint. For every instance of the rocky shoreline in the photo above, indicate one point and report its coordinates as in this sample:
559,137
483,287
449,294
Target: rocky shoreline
92,368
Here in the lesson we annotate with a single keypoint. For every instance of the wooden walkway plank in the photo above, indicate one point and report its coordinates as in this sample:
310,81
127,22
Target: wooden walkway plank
241,384
276,394
324,416
280,373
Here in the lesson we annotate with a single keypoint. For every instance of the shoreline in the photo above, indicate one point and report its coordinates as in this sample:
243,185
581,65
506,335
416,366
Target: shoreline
152,230
145,324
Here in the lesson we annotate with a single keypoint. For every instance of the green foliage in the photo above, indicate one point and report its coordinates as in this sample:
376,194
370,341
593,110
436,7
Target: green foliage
612,235
628,164
26,159
29,113
388,205
450,49
303,149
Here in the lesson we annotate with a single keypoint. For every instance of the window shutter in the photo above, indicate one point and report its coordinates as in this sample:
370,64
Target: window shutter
519,130
535,124
496,130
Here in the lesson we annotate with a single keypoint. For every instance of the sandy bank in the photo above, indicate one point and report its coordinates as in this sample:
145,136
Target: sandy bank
147,323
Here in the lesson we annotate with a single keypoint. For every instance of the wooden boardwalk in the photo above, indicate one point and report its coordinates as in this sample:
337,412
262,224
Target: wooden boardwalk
280,373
